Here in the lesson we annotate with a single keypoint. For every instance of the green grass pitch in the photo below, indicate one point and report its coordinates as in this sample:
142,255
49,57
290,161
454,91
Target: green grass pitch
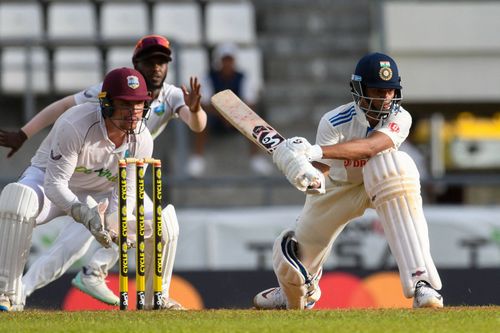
451,319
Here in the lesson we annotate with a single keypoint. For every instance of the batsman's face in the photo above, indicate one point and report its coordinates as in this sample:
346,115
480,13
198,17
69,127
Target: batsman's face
381,98
154,70
127,114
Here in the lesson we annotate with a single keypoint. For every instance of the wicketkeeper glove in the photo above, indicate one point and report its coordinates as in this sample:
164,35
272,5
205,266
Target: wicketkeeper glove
92,217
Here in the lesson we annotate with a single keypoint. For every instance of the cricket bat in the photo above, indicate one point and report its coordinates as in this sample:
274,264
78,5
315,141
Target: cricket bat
251,125
245,120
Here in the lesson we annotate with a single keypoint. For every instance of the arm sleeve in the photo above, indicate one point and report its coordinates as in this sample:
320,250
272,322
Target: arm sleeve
61,164
48,116
397,127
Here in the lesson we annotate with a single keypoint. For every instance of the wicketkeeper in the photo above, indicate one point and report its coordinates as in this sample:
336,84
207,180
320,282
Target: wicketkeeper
75,167
151,57
356,156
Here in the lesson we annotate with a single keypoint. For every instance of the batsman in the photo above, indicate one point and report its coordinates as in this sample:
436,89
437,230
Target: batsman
359,166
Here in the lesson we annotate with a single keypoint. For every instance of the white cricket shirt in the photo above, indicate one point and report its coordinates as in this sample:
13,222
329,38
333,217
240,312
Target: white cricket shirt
78,156
348,122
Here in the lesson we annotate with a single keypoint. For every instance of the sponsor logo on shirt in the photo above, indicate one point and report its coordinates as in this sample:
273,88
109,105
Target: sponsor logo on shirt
354,164
55,157
100,173
394,127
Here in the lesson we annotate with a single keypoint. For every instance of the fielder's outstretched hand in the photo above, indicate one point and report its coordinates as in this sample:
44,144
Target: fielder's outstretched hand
12,140
193,98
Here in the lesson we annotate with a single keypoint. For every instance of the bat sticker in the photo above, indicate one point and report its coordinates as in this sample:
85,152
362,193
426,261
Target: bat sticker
267,136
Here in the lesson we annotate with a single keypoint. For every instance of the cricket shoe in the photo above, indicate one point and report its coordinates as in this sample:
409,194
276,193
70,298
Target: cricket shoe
275,299
5,304
170,304
270,299
426,297
93,283
19,299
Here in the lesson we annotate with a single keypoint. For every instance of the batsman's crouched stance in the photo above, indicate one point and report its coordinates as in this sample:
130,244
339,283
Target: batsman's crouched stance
392,183
357,152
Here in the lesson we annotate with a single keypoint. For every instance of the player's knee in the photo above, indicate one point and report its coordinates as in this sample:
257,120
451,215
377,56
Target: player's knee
389,175
19,200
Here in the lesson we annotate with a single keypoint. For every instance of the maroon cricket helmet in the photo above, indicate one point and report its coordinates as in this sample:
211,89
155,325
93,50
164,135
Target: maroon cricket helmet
150,46
125,84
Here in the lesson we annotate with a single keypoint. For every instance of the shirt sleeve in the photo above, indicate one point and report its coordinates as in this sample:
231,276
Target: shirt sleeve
397,127
89,95
61,164
176,99
327,135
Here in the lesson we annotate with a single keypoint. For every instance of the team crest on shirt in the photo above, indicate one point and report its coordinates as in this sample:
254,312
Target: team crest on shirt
394,127
160,109
133,81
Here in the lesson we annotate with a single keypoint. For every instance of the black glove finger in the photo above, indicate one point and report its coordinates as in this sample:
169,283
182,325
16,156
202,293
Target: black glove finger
12,152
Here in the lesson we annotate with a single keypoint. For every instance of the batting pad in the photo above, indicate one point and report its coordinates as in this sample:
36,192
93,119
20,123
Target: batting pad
392,182
300,287
170,228
18,210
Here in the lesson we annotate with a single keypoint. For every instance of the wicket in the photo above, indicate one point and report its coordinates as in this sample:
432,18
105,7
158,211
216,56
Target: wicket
140,244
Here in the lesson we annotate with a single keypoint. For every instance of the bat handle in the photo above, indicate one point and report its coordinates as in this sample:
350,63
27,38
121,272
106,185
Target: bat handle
310,183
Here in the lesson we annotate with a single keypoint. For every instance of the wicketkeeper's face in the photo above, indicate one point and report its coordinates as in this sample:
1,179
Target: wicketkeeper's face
127,114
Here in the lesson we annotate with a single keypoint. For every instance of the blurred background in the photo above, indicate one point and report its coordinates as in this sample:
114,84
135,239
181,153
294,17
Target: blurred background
298,56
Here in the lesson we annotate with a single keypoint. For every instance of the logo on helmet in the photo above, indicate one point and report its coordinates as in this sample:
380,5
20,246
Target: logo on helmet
385,72
133,81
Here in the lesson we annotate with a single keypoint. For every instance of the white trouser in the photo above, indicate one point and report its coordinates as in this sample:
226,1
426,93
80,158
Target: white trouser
71,244
324,217
34,178
399,207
